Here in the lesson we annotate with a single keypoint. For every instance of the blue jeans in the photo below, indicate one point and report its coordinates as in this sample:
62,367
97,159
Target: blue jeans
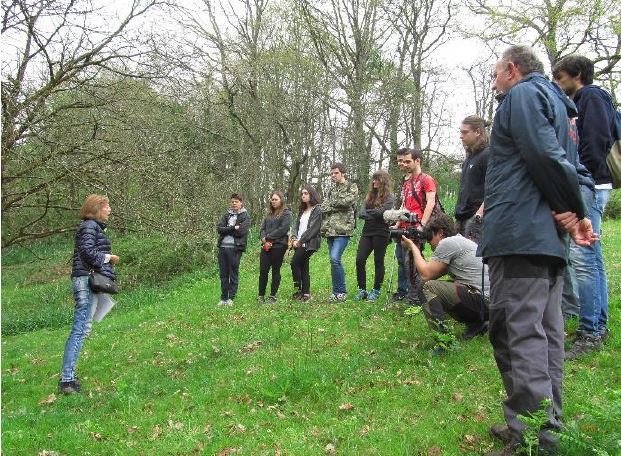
589,266
336,246
403,284
82,321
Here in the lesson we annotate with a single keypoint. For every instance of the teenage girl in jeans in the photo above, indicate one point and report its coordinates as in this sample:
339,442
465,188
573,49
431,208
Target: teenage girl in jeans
375,234
306,241
274,244
92,253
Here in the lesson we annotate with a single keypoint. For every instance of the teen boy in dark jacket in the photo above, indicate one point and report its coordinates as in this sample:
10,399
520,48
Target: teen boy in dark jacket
233,235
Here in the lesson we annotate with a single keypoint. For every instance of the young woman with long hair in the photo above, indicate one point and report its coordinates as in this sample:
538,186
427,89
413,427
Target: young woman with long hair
306,241
375,234
274,244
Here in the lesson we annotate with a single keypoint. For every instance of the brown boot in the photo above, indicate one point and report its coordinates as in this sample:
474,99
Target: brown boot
509,450
501,432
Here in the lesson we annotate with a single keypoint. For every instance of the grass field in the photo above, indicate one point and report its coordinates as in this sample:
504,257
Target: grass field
171,373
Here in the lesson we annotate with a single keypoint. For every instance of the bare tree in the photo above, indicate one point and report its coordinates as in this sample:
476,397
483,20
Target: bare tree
348,37
55,48
561,27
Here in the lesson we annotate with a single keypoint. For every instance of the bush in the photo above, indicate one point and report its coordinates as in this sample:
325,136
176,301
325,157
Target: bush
613,209
155,260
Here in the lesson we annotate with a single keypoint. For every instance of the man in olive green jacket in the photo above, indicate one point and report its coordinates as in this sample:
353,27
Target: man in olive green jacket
339,221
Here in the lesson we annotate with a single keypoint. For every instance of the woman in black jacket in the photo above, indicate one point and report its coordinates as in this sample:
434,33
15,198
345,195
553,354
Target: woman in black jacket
92,253
306,240
375,234
274,244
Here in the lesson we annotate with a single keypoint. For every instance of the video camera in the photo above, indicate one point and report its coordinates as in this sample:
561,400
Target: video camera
403,215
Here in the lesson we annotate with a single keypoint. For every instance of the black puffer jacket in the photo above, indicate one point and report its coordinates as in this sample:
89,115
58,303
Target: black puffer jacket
91,247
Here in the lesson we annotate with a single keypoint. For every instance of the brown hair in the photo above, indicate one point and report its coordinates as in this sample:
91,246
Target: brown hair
313,200
441,222
414,153
376,196
478,123
92,206
276,212
340,166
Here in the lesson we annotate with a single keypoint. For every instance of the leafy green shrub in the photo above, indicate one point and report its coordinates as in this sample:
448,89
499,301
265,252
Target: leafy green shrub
613,209
156,259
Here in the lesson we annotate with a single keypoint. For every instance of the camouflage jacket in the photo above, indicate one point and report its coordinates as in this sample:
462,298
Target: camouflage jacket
337,210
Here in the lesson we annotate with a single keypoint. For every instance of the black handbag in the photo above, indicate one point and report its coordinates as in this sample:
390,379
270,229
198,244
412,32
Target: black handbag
99,283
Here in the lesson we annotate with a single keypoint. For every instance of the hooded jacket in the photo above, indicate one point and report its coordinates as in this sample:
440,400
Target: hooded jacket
241,235
528,172
596,116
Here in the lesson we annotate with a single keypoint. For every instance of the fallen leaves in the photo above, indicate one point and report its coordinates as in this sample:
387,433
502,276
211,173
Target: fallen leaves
97,436
157,432
227,451
48,400
250,347
469,443
346,406
329,449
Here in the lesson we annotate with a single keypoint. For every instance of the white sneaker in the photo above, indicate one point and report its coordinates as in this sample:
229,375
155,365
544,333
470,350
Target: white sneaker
229,302
225,302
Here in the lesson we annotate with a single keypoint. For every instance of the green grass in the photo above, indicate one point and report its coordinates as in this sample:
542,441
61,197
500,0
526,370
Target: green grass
171,373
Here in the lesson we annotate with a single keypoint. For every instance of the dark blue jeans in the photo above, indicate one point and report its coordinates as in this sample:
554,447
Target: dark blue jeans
228,262
403,282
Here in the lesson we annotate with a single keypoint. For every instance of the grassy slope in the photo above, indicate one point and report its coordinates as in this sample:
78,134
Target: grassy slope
182,376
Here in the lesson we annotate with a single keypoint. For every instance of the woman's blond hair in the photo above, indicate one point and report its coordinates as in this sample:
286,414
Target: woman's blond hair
92,206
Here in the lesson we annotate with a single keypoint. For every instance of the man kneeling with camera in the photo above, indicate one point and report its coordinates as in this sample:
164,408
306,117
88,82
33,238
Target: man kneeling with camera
460,298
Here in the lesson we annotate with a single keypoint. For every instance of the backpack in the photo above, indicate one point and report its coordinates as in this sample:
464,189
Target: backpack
613,159
437,208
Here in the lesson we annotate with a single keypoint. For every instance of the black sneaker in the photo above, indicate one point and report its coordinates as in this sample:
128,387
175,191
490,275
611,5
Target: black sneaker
399,295
70,387
474,329
584,343
297,295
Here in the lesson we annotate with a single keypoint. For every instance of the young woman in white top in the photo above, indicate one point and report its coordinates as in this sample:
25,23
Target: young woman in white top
306,241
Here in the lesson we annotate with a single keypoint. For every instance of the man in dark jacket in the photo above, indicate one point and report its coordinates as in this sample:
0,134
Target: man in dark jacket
528,180
233,234
596,114
469,206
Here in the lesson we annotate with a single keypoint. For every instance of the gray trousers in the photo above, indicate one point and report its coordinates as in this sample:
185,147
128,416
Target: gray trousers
526,331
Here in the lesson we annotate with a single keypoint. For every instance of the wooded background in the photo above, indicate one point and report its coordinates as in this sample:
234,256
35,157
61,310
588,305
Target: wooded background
168,107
